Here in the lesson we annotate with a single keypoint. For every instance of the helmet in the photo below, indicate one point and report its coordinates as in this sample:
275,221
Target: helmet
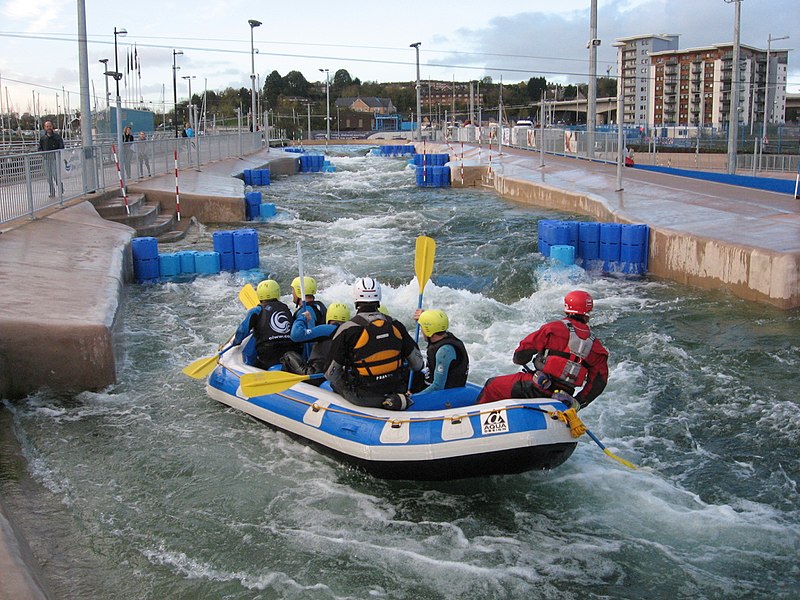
433,321
367,289
578,302
383,310
309,286
338,312
268,290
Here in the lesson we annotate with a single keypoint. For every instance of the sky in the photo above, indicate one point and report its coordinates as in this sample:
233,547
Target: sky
465,40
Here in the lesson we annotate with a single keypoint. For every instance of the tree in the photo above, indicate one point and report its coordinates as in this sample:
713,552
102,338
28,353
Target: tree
341,80
273,88
536,86
295,84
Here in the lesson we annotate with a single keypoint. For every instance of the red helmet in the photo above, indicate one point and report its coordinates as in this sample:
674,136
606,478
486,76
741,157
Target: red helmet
578,302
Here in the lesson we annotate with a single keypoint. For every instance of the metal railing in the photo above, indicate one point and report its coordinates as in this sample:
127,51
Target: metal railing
35,181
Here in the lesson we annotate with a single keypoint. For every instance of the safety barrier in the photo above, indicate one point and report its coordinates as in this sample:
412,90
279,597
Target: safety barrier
256,176
235,250
392,150
610,247
311,163
781,186
430,160
255,208
433,176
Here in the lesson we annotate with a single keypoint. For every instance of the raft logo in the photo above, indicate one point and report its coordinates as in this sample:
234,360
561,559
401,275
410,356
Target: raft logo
280,322
494,422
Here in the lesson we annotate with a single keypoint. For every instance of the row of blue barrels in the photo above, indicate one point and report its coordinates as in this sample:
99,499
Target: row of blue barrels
295,149
238,249
390,150
311,163
256,176
254,208
430,160
614,247
433,176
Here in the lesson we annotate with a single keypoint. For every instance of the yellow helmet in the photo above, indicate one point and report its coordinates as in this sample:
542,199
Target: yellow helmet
309,284
433,321
268,290
338,312
382,309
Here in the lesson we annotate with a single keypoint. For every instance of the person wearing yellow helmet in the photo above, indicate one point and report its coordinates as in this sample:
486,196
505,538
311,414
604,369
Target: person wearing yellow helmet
270,323
304,331
447,358
309,287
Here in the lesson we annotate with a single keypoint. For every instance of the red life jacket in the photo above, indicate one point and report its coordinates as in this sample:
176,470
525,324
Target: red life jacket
567,365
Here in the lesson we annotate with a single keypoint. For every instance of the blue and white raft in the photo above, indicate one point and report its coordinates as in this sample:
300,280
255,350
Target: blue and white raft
443,436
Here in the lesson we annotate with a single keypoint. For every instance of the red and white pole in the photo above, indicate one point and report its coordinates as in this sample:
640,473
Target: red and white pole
177,190
424,161
462,164
119,175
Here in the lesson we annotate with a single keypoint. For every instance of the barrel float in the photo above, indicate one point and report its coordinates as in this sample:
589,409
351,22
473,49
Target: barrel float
589,241
144,247
223,243
247,175
610,244
564,254
252,202
207,263
266,210
169,265
245,249
187,261
633,248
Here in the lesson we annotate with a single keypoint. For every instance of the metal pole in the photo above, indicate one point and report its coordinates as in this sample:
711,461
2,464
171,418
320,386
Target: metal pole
620,128
541,130
733,117
89,183
175,68
416,46
327,107
591,109
253,24
117,76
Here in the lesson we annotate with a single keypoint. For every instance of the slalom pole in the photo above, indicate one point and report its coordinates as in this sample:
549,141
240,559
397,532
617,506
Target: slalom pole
462,164
121,184
177,190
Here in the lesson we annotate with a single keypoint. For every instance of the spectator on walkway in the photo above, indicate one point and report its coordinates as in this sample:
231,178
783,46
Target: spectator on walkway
50,142
143,155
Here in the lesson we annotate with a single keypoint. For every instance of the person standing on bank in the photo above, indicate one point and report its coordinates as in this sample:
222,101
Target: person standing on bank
142,155
50,142
447,358
566,356
369,354
127,140
270,322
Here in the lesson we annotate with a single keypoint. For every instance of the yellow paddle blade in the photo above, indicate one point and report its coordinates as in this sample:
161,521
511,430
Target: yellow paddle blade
248,297
200,368
423,260
269,382
630,465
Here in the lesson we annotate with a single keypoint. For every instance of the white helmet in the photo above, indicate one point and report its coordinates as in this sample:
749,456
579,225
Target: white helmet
366,289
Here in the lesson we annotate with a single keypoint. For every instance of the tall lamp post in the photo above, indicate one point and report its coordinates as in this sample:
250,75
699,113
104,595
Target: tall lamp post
253,24
175,68
767,104
190,106
327,107
733,117
105,72
117,76
416,46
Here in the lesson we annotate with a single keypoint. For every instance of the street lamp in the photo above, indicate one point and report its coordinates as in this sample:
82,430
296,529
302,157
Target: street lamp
122,32
105,72
253,24
175,68
733,117
190,106
416,46
327,107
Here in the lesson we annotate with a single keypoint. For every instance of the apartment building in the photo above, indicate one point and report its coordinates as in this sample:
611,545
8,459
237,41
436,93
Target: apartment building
633,61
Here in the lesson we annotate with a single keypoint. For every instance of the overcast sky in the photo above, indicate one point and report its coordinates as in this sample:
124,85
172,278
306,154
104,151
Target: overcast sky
467,39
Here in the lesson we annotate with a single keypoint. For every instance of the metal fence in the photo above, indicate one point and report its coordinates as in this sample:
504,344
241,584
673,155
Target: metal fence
34,181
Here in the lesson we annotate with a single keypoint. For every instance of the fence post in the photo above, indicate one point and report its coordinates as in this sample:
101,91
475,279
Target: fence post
29,183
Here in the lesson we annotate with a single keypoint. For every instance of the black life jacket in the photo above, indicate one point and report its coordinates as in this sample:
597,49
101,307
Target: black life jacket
272,327
459,368
377,353
319,310
567,365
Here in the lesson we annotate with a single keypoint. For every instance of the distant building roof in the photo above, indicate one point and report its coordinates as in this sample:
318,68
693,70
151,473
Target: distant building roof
371,101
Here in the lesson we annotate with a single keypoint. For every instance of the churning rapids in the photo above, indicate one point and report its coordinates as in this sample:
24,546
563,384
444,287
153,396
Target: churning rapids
150,490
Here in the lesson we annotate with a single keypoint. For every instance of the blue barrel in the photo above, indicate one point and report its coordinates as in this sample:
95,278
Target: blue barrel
589,241
145,269
247,175
169,265
265,176
223,241
559,234
445,176
563,254
144,247
303,163
207,263
633,248
266,210
245,249
574,232
423,176
436,176
609,242
187,261
252,202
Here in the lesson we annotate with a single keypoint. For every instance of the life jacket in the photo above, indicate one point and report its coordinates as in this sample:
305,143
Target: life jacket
271,330
567,365
377,353
459,368
318,309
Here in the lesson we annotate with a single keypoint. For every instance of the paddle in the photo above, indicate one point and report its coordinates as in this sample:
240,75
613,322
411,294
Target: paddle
200,368
271,382
608,452
248,297
424,254
306,347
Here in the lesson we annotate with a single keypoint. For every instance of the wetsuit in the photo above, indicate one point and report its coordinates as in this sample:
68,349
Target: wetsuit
270,323
450,363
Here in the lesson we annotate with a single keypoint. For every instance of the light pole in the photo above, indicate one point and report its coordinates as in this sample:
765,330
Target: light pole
591,107
416,46
253,24
733,116
175,68
190,106
117,76
767,104
327,108
105,72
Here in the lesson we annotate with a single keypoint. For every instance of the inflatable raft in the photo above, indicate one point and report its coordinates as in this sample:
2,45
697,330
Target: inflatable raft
443,436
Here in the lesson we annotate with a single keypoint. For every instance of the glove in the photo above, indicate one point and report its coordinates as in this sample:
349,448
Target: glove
576,426
542,380
567,400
